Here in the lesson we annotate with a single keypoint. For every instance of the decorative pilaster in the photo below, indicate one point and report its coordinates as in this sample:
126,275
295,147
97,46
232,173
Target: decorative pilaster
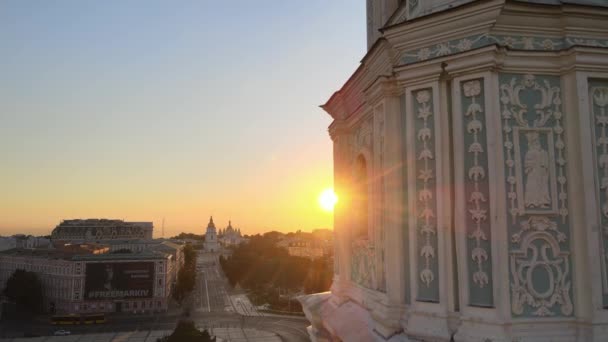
402,211
476,193
598,91
426,208
537,220
341,152
379,202
389,207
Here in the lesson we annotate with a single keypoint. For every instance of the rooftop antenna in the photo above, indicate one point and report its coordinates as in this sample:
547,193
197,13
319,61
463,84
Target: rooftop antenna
163,228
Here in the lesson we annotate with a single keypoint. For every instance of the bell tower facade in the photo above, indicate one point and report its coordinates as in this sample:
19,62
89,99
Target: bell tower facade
473,145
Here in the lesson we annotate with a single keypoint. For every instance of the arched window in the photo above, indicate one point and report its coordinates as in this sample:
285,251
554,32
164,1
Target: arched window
360,198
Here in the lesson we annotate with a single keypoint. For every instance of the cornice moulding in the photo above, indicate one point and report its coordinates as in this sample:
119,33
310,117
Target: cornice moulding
477,16
337,129
359,116
484,23
479,60
585,59
548,63
377,63
335,106
419,73
382,87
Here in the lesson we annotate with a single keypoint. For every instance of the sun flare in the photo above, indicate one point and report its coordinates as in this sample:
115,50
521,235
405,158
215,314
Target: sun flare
328,199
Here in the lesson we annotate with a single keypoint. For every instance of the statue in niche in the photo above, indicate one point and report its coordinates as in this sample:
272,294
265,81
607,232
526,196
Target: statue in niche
536,166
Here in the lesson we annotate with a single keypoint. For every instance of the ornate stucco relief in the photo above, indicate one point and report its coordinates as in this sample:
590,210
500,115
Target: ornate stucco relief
540,240
468,43
536,195
426,192
380,202
598,90
363,263
477,193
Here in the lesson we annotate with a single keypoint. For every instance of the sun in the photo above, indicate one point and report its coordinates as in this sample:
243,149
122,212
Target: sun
328,199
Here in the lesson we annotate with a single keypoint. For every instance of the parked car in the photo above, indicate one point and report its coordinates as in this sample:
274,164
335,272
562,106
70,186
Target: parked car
62,333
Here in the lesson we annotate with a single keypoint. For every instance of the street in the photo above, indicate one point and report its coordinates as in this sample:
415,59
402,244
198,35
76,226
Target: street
212,286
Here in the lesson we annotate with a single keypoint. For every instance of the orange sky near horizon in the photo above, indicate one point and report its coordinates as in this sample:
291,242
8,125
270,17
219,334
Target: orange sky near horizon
281,195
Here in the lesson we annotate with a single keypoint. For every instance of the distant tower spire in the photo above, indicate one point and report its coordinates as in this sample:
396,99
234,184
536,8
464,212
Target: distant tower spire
211,224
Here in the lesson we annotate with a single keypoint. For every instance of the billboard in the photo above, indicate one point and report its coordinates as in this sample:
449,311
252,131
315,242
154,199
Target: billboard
119,280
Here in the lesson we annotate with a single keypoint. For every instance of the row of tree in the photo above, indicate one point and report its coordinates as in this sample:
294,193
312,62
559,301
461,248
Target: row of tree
272,274
186,275
189,236
24,291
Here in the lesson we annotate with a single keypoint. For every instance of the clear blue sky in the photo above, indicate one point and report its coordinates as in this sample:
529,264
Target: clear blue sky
177,109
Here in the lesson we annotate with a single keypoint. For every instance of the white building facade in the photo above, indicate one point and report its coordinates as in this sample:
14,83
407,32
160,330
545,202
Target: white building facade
96,283
23,241
471,161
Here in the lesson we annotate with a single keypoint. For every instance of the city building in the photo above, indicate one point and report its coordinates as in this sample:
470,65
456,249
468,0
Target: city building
471,142
211,243
87,278
305,248
102,229
231,236
23,241
313,245
133,246
7,242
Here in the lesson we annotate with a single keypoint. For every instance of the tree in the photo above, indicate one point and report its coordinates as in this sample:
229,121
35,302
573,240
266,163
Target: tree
272,275
186,331
186,276
189,256
185,284
25,290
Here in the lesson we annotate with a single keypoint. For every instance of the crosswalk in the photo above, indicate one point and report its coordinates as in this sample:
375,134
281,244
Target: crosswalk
243,306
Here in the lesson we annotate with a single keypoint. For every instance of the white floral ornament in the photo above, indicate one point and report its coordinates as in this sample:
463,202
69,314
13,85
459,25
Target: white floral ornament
425,194
600,99
476,173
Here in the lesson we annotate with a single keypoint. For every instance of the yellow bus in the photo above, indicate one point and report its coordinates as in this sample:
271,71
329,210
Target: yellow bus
94,319
65,320
77,319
